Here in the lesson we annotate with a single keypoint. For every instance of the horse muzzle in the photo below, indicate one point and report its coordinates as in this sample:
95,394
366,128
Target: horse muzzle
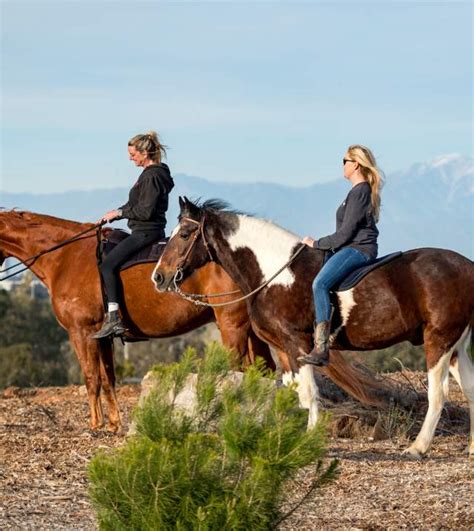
163,281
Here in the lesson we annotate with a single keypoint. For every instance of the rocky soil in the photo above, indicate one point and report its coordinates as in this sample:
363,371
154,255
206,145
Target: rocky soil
45,447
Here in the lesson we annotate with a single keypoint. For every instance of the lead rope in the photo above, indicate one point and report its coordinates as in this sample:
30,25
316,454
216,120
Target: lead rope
191,297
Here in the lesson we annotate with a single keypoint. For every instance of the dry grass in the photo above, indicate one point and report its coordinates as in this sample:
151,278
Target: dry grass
45,448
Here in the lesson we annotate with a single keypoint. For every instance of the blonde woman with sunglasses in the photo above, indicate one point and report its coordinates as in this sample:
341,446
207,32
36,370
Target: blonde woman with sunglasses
354,244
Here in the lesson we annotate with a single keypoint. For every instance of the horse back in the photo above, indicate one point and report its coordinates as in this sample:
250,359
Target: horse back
422,288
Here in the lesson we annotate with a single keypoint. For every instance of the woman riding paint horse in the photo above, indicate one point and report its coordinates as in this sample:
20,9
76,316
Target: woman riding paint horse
354,244
146,213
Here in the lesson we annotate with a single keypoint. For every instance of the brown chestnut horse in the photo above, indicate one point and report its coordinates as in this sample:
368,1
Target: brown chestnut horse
423,296
71,276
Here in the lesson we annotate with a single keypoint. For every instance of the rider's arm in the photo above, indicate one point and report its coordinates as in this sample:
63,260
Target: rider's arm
358,203
143,208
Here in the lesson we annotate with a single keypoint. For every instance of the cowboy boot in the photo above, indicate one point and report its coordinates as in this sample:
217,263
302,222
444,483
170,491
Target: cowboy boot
112,326
319,356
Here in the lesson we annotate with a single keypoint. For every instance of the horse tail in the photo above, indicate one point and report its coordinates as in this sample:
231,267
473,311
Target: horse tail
360,383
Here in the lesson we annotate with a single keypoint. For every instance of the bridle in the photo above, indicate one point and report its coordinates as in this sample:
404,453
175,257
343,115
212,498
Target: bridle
194,297
178,276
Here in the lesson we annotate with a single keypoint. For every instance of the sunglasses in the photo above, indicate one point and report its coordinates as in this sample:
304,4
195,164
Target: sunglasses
347,160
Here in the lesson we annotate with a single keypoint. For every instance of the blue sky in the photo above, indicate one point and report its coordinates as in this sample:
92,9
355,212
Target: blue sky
240,91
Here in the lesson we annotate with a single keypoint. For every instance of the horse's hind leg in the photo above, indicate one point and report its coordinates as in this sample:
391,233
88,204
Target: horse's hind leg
107,372
437,385
436,398
466,379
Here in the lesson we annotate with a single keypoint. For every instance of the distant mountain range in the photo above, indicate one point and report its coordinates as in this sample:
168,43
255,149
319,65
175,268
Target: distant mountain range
428,205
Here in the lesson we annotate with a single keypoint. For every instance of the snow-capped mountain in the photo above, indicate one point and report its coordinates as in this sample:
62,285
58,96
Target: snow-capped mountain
430,204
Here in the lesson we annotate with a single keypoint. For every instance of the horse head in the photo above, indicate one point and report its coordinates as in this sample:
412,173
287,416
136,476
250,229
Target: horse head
187,249
4,230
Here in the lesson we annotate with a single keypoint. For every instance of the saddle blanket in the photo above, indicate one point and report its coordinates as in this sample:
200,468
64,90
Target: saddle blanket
358,274
148,254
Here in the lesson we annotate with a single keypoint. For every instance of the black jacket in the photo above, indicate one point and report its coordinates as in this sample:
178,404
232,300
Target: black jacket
355,224
148,199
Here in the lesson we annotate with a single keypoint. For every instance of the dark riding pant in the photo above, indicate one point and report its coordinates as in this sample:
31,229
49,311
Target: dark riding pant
120,254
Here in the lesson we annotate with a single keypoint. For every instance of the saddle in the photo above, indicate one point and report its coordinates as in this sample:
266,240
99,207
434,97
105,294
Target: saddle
112,237
148,254
358,274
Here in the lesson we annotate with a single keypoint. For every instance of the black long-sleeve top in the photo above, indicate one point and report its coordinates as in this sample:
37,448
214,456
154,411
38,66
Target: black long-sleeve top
355,224
148,199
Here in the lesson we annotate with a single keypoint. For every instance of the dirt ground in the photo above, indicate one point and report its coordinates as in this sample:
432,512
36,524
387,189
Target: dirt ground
45,447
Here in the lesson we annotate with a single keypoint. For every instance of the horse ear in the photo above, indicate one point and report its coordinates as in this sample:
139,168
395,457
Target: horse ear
182,203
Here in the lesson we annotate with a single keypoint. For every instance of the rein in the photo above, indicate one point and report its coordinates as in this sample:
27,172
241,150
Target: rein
32,259
193,297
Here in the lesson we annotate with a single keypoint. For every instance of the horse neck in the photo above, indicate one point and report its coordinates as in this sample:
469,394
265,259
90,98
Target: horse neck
23,242
251,250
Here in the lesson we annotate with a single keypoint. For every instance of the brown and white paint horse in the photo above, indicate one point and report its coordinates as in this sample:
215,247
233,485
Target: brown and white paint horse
423,296
71,276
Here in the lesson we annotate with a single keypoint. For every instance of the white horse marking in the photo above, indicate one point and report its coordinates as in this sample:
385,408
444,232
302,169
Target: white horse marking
307,389
466,378
346,303
175,231
271,245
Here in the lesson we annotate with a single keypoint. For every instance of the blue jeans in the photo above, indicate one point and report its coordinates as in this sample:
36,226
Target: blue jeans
337,267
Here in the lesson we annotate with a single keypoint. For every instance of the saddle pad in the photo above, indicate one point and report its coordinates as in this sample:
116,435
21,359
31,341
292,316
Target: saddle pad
148,254
358,274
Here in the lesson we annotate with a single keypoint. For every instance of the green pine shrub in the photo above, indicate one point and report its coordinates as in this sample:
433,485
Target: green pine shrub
221,466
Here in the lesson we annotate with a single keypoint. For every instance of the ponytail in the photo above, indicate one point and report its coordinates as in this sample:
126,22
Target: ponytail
150,144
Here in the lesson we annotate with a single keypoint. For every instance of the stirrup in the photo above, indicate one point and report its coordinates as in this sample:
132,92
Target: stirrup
110,328
320,359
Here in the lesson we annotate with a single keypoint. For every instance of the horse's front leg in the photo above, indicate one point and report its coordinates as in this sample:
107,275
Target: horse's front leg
107,372
89,360
288,350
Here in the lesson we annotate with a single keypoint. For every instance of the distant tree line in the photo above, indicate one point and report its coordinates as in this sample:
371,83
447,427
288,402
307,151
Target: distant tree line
35,350
30,342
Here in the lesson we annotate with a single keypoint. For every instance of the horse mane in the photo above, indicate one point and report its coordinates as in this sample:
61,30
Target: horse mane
35,219
215,205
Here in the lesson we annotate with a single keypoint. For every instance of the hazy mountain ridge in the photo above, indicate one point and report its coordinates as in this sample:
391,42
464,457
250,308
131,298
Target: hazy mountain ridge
427,205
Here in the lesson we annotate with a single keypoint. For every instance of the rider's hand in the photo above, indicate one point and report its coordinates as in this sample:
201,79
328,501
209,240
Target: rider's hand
110,216
308,241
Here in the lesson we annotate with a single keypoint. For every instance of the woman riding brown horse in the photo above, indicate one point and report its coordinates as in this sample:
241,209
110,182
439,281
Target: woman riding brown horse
423,296
72,278
146,213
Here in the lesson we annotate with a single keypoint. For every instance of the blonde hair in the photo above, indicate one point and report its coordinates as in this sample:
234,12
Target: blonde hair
371,173
150,144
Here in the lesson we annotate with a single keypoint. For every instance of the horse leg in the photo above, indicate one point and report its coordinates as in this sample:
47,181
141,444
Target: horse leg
236,340
437,375
107,373
308,392
288,349
454,370
89,360
258,348
466,380
303,377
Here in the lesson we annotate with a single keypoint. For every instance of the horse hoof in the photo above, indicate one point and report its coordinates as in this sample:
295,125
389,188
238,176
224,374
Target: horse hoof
413,454
113,428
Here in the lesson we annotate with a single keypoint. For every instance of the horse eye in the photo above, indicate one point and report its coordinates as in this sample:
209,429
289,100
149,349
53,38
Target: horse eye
184,235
